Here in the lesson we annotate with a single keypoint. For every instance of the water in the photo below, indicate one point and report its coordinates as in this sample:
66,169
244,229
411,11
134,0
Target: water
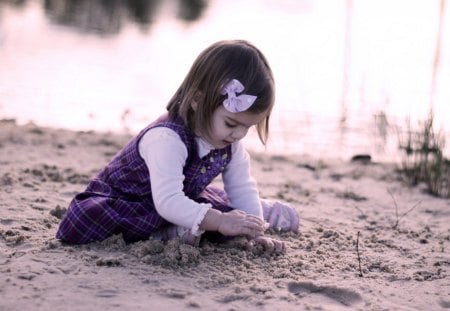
348,73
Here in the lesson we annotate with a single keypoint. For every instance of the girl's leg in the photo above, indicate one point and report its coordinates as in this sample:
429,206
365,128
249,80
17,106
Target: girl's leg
217,197
94,218
87,220
171,232
219,200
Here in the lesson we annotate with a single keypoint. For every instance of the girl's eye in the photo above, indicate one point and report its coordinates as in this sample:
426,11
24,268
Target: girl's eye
230,125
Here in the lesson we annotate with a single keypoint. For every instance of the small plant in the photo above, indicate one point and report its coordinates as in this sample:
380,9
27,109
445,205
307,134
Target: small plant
423,159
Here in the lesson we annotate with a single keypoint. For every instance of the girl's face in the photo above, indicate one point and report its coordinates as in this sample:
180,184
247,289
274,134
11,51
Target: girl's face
228,127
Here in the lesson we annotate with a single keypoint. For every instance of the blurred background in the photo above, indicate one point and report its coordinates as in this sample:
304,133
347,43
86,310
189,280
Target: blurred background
351,75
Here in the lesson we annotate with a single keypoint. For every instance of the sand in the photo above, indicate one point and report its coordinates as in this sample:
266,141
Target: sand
348,210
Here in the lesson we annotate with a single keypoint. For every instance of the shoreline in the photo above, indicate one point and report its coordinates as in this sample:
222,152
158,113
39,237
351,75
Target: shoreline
285,141
403,240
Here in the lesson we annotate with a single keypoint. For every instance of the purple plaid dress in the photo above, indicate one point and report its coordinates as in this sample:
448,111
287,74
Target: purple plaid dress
119,199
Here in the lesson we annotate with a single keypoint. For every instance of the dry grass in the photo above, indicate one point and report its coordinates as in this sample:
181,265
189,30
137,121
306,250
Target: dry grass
424,161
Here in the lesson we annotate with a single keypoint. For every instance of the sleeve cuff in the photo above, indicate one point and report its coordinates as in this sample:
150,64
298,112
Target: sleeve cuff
195,230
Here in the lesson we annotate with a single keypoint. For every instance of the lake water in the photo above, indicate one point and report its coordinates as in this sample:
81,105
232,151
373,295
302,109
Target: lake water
348,73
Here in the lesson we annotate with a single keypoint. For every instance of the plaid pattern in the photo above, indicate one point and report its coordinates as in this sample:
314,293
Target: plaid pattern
119,199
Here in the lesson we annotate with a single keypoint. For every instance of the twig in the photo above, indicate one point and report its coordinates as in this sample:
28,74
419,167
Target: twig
359,257
410,210
363,216
396,209
397,218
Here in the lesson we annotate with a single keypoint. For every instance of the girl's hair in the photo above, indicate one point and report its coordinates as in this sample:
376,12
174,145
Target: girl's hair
211,71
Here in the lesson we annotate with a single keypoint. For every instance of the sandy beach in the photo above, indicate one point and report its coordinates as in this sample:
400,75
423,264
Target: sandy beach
367,241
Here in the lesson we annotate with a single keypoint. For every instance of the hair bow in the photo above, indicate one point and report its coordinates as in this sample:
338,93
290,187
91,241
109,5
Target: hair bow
236,103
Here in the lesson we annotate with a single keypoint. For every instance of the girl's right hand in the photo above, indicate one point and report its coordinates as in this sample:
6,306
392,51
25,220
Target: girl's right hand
238,222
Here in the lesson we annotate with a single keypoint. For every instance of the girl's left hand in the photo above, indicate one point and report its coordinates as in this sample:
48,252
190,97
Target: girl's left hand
280,216
270,245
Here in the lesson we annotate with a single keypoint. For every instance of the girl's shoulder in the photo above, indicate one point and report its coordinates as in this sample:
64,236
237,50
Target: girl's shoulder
161,133
164,121
170,127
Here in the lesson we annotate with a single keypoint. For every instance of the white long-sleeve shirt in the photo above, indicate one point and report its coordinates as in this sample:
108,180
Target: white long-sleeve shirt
165,155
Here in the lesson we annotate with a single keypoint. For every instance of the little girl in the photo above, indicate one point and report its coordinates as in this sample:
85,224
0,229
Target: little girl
158,184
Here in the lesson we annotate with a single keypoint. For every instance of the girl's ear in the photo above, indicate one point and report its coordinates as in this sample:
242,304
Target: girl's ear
196,100
194,104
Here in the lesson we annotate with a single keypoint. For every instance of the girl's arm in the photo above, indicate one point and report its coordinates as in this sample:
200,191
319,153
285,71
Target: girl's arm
243,193
166,167
240,186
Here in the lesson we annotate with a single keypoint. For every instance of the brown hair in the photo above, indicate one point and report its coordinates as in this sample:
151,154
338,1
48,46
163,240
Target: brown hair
214,68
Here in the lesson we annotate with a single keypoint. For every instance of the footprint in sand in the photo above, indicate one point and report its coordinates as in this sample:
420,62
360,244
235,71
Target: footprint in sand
6,221
445,304
106,293
344,296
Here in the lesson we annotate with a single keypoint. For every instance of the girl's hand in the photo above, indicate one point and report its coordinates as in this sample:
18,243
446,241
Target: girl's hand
281,216
270,245
240,223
